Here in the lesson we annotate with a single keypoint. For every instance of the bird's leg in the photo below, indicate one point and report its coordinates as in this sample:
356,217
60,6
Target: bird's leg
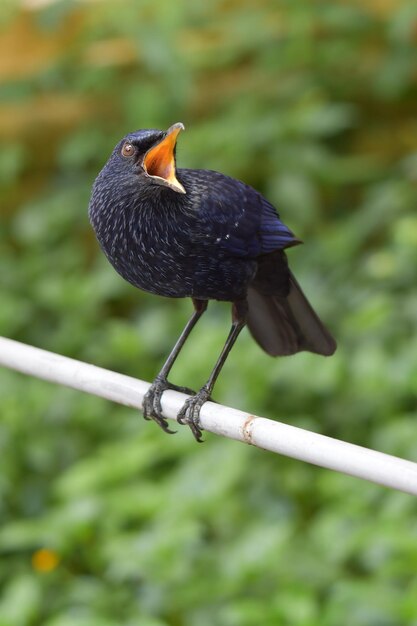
152,408
190,412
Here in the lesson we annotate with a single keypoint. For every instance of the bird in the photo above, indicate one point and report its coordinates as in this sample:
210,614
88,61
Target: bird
199,234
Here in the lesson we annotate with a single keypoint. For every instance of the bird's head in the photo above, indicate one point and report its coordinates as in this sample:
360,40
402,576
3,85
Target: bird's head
148,157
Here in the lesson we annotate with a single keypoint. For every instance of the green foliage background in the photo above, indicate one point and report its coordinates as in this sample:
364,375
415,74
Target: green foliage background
315,105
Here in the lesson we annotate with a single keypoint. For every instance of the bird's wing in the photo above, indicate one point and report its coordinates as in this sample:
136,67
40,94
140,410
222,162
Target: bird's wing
275,235
241,221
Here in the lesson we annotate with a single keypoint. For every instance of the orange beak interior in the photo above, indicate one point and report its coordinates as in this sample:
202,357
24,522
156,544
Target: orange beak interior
159,161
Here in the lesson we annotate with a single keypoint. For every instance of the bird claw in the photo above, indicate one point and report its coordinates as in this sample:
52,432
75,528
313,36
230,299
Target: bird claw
190,412
151,406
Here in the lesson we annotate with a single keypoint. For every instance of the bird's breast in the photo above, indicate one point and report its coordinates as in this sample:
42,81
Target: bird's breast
168,255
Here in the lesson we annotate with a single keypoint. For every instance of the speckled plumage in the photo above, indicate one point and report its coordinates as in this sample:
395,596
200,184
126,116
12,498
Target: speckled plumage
203,244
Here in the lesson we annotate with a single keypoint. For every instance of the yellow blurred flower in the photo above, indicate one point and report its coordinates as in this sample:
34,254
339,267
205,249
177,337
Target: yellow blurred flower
44,560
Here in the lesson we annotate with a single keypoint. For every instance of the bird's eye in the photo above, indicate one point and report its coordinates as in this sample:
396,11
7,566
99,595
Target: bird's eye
128,150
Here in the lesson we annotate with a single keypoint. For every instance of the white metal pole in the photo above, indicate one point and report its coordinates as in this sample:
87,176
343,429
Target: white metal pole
270,435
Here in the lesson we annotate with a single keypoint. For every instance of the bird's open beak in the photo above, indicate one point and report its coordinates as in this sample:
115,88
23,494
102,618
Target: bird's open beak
159,161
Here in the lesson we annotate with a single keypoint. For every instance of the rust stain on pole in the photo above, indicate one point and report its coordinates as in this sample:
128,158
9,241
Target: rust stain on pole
247,429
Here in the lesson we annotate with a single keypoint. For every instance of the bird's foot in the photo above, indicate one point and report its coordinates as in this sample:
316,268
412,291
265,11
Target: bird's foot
152,408
190,412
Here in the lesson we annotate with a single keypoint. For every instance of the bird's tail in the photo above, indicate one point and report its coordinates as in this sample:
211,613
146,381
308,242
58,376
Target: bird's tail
286,325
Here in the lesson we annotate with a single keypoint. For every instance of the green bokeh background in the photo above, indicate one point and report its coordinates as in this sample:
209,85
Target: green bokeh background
315,105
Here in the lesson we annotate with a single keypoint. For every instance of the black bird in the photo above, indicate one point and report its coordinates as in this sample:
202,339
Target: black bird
202,235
